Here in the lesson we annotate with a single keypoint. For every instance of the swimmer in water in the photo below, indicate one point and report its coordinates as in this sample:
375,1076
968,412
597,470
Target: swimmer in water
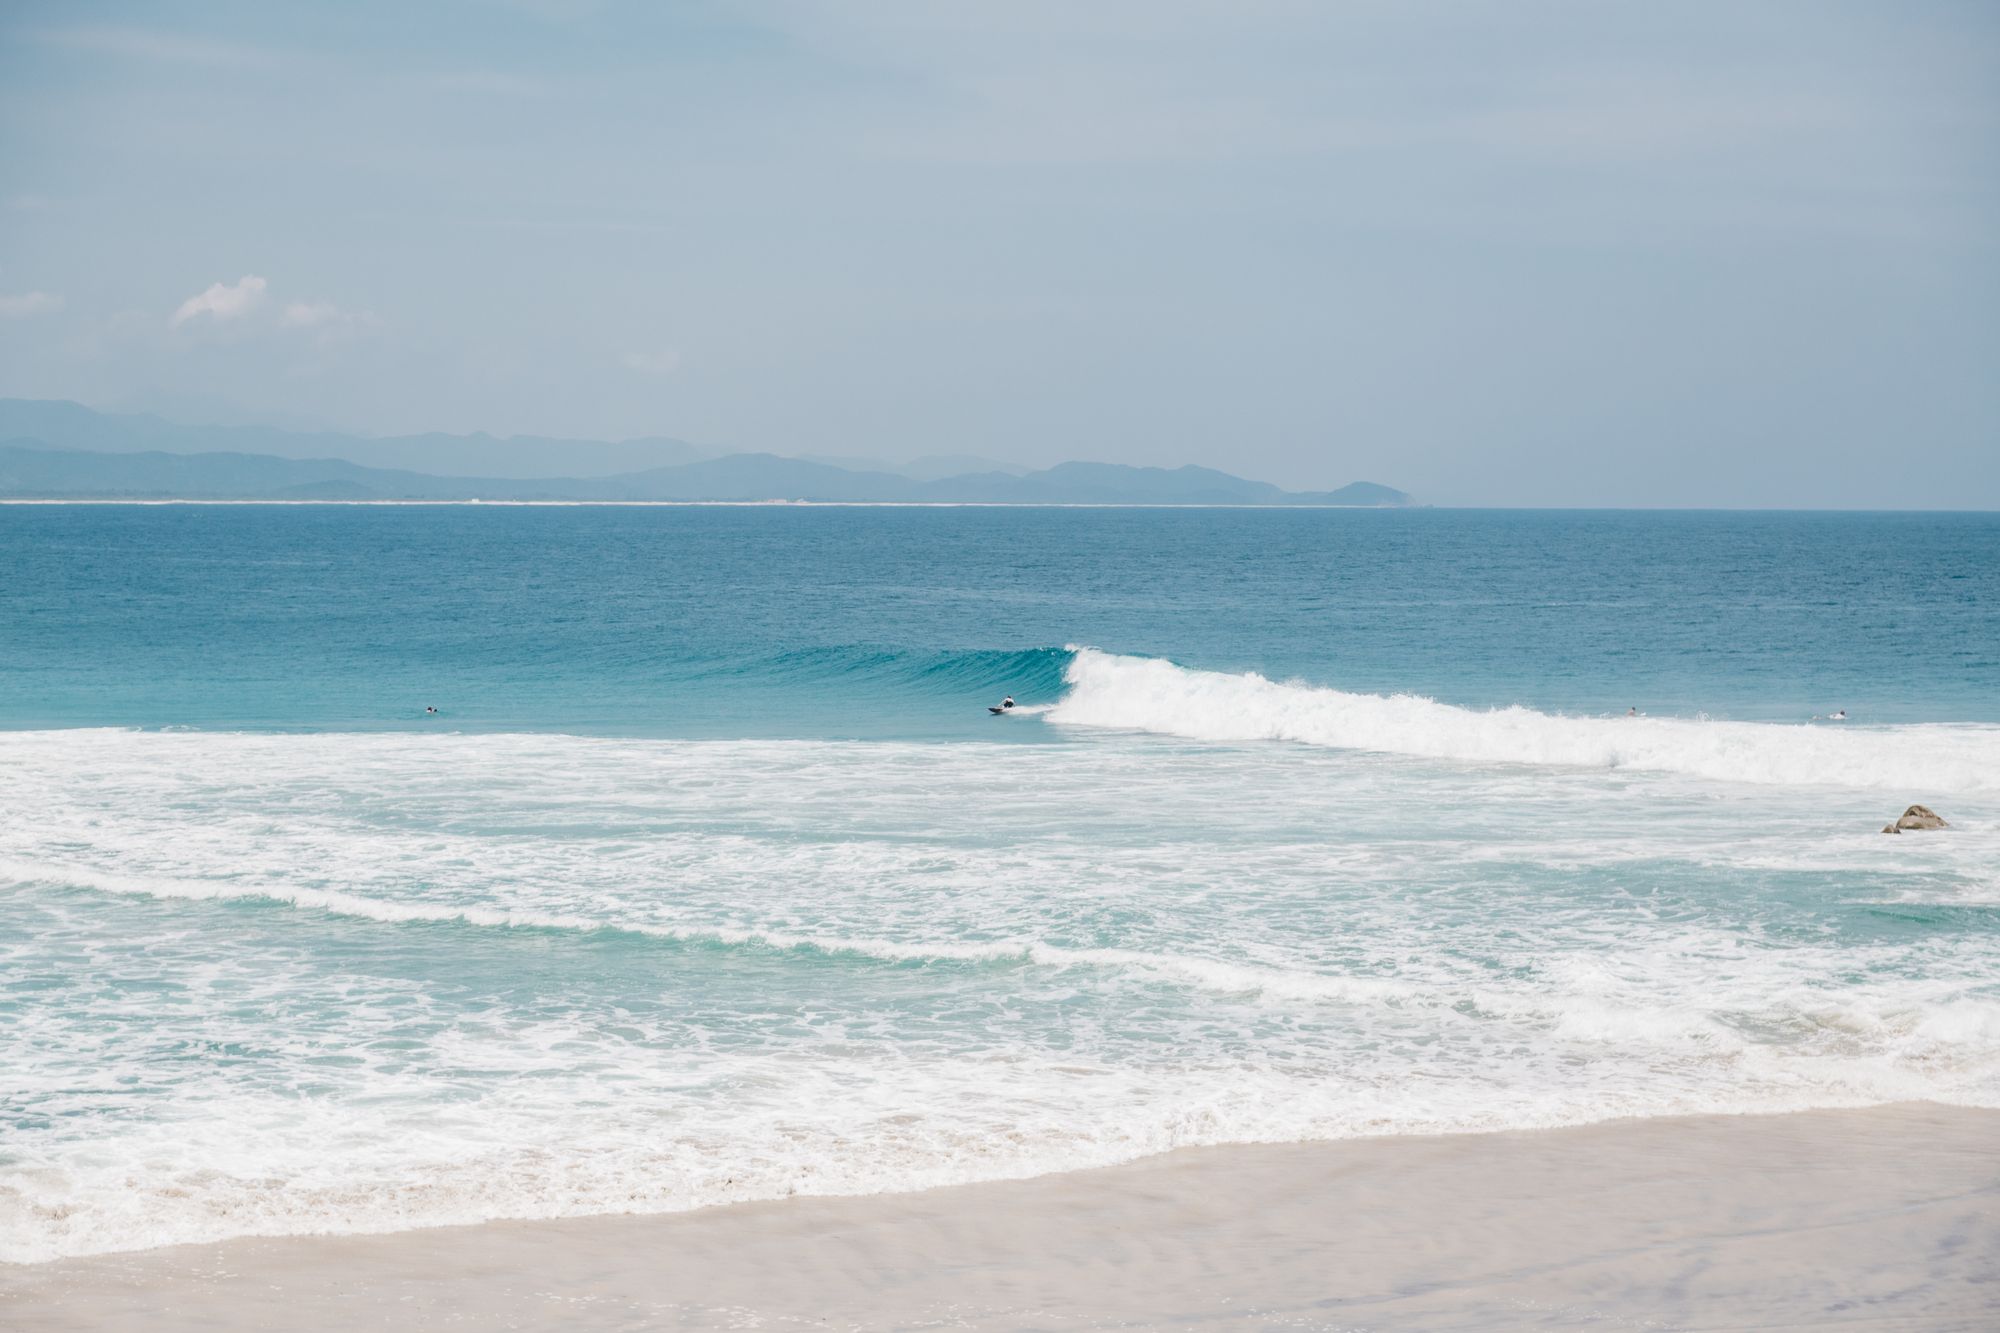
430,708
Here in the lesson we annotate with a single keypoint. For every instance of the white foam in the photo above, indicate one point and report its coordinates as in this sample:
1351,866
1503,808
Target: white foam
256,1164
1154,695
1203,973
943,963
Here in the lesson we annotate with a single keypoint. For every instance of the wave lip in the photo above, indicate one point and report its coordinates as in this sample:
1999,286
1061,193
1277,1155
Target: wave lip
1154,695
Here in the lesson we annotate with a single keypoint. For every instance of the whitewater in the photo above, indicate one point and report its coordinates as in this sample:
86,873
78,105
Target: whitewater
542,975
1155,695
712,879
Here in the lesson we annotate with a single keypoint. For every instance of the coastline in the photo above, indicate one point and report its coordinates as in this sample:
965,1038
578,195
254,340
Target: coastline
1887,1217
673,504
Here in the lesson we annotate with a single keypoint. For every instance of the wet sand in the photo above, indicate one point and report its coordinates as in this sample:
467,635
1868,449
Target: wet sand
1886,1219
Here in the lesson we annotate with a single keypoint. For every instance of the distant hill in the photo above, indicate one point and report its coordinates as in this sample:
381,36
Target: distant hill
64,451
931,467
66,425
30,471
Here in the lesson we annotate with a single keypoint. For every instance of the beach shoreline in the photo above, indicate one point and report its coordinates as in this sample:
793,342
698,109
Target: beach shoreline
1887,1217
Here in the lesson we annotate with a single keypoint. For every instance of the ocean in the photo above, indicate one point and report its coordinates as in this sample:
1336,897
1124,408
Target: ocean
712,879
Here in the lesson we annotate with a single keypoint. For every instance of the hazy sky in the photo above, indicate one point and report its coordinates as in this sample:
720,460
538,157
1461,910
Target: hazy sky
1521,252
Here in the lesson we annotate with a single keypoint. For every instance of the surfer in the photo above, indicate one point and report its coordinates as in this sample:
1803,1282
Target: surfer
430,708
1001,707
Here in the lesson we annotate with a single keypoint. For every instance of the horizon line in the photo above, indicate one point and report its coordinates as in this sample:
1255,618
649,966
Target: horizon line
969,504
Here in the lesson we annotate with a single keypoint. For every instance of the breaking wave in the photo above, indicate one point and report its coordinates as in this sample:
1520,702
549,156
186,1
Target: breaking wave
1154,695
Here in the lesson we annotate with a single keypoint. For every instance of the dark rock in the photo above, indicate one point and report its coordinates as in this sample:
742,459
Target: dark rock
1916,817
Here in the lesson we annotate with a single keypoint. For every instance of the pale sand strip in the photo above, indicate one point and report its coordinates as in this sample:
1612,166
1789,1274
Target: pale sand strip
1887,1218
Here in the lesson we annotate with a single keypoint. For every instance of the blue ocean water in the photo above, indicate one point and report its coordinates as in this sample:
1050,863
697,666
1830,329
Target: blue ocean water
873,622
713,879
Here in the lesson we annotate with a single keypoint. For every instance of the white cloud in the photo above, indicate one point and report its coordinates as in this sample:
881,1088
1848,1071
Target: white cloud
663,362
222,301
29,303
325,321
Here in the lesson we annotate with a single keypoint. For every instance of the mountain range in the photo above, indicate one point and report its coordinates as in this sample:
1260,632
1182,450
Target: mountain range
62,450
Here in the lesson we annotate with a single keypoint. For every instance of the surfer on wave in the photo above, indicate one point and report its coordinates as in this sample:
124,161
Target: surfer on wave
1001,707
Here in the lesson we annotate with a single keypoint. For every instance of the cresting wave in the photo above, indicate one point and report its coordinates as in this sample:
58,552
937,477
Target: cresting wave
1154,695
1028,672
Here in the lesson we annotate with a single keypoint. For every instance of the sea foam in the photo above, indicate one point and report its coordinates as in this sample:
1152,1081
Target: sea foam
277,984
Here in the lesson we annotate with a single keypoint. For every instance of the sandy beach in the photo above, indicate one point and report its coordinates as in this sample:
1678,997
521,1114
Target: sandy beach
1885,1218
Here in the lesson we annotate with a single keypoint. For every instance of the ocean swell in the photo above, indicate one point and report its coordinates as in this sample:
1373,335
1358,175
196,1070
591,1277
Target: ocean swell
942,673
1154,695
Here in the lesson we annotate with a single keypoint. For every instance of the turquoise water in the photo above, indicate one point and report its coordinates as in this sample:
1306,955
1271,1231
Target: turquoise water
712,879
855,622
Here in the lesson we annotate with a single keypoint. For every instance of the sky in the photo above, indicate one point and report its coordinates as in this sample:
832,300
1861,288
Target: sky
1524,253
